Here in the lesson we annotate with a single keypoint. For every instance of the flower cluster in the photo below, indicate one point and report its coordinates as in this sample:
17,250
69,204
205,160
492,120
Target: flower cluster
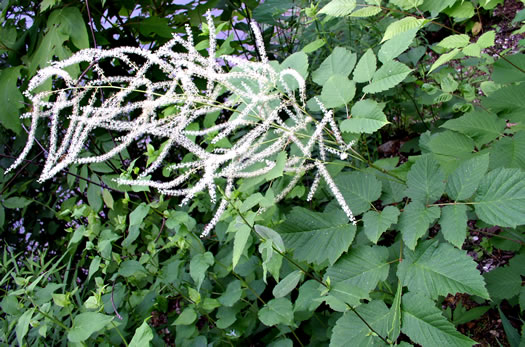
260,111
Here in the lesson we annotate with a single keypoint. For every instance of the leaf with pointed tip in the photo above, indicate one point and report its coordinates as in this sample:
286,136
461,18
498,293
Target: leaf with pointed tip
481,126
424,323
425,180
316,237
454,224
276,311
359,190
397,45
500,198
365,68
339,8
363,267
388,76
454,41
287,284
401,26
337,91
376,223
415,221
340,62
464,181
435,269
367,117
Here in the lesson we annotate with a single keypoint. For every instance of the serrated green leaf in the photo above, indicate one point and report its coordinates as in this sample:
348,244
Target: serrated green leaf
239,243
472,50
276,311
388,76
270,234
85,324
198,265
508,102
435,269
367,117
270,10
348,294
287,284
481,126
395,46
337,91
351,328
435,7
407,4
94,196
340,62
363,267
415,221
425,325
505,282
142,337
359,190
509,152
500,198
394,316
425,180
368,11
339,8
365,68
454,41
139,213
401,26
461,10
232,294
487,39
376,223
464,181
454,224
445,58
11,99
313,46
505,71
311,234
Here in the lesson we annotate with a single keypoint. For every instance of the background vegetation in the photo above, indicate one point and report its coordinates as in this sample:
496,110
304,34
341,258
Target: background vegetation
432,93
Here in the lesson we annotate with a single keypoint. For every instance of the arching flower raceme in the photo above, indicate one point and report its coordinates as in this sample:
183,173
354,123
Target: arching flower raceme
130,90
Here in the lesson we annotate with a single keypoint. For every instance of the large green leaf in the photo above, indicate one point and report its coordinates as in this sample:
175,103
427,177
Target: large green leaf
481,126
143,335
500,198
402,25
450,149
464,181
508,102
270,10
340,62
198,265
376,223
155,25
337,91
509,152
454,41
505,282
435,269
436,6
276,311
397,45
363,267
505,71
425,180
388,76
365,68
445,58
367,117
415,221
351,329
453,223
339,8
312,234
85,324
287,284
299,62
359,190
425,325
11,99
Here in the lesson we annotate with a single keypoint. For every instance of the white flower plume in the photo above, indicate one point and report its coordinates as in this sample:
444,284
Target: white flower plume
130,91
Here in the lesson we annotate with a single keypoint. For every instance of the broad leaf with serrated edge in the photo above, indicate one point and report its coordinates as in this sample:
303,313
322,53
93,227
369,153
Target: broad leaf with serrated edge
445,58
276,311
363,267
348,293
424,323
388,76
351,329
415,221
481,126
425,180
401,26
376,223
464,181
394,316
368,11
365,68
340,62
397,45
311,234
339,8
367,117
337,91
453,223
359,190
509,152
435,269
454,41
500,198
